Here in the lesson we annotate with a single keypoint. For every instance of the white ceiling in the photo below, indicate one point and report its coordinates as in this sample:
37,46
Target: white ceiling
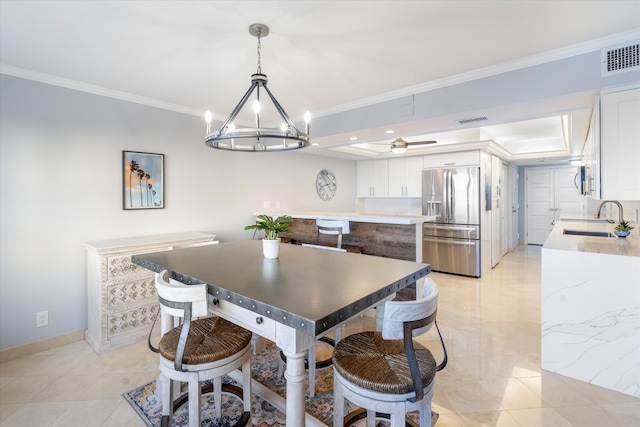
321,56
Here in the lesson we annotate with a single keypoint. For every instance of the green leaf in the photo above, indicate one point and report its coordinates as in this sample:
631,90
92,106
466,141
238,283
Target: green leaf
271,226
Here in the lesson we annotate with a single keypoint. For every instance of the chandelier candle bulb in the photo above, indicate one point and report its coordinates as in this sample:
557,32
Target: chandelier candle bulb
208,116
307,119
285,130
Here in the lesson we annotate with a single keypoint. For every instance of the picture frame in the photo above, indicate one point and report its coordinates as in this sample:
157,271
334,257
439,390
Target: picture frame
142,180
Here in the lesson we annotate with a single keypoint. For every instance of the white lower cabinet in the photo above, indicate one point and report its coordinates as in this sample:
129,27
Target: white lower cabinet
122,300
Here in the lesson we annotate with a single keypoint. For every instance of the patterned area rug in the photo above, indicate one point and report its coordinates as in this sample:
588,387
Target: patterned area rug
265,370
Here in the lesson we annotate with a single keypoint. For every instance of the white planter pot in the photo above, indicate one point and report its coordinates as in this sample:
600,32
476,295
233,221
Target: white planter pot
271,248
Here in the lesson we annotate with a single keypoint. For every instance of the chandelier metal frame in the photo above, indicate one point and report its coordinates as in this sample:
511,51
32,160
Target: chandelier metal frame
258,138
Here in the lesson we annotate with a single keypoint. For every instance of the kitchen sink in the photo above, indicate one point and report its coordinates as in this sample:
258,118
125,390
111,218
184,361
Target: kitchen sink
593,233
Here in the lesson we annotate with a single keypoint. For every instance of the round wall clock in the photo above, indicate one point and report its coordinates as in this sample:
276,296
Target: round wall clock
326,184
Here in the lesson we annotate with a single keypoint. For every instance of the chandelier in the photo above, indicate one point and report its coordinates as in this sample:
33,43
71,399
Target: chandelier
233,137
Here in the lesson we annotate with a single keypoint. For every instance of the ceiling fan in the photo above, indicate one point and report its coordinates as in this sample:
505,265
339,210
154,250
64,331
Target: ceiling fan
399,145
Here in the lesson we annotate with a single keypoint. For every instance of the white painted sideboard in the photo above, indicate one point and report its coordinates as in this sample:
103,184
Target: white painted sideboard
122,300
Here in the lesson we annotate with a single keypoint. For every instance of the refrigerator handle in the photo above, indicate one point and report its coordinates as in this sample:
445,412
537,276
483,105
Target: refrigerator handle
447,184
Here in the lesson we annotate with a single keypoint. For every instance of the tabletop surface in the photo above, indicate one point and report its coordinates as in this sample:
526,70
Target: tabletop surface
308,289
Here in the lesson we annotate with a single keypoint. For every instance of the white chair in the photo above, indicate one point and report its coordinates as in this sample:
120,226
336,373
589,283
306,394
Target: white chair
311,353
199,350
334,228
388,372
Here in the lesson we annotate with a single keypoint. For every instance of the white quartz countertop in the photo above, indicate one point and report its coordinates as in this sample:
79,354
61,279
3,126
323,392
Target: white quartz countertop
356,217
629,246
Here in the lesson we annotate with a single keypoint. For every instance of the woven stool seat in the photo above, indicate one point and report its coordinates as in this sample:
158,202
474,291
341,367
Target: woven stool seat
371,362
389,373
210,339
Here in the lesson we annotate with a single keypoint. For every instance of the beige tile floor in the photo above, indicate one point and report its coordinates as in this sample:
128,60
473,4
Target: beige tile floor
491,327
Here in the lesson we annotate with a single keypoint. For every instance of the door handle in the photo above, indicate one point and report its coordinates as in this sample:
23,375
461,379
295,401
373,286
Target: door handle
451,241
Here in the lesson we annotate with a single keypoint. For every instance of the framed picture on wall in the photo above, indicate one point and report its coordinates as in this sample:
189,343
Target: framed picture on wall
142,180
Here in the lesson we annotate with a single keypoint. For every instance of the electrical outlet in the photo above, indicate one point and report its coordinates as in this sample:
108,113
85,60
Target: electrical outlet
266,204
277,204
42,318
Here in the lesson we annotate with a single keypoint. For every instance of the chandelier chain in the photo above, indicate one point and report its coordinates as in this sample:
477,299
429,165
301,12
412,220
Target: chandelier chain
259,58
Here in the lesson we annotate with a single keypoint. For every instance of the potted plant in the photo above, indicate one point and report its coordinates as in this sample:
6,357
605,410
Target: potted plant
622,229
272,227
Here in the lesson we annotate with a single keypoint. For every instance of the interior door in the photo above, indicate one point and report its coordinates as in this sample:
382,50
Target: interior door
568,200
551,193
540,195
500,205
515,207
504,210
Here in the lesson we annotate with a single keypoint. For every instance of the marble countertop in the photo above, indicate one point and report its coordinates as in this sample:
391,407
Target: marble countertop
357,217
629,246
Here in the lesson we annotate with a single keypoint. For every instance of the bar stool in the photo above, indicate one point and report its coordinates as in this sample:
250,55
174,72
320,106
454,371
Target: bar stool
388,372
199,350
337,228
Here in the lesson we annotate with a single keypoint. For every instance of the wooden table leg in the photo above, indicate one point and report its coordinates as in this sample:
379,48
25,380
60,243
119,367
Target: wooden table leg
295,389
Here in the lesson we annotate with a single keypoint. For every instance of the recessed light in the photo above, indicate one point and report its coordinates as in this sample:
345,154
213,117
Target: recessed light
390,131
315,144
353,138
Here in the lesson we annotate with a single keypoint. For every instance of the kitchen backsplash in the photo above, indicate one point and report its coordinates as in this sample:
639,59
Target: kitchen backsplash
610,211
390,206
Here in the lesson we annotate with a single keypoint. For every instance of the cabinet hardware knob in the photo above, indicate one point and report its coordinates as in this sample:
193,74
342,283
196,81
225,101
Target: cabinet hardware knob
259,320
216,301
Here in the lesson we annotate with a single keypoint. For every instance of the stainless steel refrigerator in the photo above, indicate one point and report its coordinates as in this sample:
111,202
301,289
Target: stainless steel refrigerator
451,243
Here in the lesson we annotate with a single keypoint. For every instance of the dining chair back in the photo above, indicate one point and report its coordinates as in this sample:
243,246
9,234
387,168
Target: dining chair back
334,228
199,350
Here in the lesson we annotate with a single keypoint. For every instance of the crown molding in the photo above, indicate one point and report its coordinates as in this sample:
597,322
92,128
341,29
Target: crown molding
546,57
96,90
554,55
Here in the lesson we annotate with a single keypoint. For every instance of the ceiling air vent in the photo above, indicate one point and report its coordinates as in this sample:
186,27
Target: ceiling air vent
620,58
472,120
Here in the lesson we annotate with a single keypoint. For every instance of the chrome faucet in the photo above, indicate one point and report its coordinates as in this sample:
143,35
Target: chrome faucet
597,215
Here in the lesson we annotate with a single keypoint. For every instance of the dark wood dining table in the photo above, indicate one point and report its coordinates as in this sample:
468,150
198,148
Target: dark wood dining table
291,300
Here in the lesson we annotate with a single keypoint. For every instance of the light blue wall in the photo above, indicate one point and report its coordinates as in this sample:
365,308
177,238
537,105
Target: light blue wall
61,186
568,76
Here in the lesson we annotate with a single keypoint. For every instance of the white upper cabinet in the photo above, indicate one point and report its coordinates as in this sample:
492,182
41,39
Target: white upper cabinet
620,143
373,178
405,177
591,154
444,160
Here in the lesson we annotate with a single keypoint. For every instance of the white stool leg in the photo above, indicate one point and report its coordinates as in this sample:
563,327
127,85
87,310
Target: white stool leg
194,401
338,402
280,368
257,343
167,397
398,416
246,385
371,418
425,415
217,395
